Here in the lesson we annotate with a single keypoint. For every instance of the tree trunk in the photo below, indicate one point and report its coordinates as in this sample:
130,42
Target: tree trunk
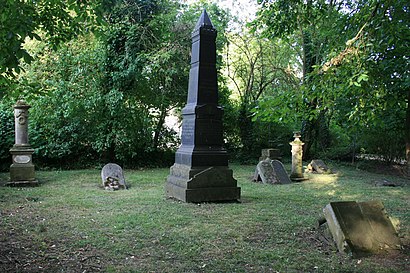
109,154
308,126
246,134
407,128
158,128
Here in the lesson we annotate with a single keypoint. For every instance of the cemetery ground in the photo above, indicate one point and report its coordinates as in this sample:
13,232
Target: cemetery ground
71,224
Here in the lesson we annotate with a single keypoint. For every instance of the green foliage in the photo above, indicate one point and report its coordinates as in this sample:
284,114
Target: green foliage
256,70
355,71
105,98
6,134
337,70
57,21
72,118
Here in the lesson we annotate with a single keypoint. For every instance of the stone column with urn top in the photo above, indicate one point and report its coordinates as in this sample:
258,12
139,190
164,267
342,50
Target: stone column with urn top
297,154
22,169
201,172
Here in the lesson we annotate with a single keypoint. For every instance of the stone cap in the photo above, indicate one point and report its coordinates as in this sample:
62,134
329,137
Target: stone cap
21,104
297,140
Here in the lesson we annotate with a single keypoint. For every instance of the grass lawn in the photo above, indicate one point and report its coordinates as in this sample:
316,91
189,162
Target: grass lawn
70,224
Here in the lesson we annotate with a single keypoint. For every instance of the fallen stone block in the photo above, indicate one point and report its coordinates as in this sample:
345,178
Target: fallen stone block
361,228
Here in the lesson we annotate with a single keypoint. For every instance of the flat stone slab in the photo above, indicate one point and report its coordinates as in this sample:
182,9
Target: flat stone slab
271,172
386,183
361,228
318,166
112,177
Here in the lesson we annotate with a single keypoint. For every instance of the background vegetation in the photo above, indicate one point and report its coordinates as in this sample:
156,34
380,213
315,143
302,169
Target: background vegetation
103,76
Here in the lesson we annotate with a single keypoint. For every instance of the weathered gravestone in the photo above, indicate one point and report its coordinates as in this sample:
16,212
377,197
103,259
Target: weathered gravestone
22,170
318,166
361,228
385,183
271,172
201,172
113,177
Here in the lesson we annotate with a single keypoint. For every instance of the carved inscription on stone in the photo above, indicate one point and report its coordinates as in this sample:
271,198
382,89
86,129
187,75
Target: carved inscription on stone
22,159
188,131
21,117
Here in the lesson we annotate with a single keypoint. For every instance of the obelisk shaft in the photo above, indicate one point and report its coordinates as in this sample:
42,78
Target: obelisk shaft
202,136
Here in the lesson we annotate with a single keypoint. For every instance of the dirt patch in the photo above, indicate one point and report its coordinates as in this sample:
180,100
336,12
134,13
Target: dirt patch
22,251
20,254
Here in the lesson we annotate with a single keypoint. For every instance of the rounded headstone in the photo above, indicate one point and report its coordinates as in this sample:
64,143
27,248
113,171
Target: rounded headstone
112,177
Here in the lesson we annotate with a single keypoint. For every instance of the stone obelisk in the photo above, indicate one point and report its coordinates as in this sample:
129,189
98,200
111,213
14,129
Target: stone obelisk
201,172
22,170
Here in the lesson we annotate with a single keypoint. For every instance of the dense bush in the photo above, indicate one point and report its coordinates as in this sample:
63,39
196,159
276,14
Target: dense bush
105,98
6,134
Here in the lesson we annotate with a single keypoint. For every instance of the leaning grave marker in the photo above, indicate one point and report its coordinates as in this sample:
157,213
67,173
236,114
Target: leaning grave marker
361,228
265,173
201,172
271,172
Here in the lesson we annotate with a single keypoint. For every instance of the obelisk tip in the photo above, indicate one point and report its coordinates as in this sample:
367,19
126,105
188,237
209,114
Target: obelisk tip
203,21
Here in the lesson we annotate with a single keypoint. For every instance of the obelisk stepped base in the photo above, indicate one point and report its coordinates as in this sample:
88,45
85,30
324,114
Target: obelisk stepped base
202,184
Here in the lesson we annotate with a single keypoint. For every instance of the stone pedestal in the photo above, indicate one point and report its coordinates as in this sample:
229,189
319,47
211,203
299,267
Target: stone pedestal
201,172
22,169
297,153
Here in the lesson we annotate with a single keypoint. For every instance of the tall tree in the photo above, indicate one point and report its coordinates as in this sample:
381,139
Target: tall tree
255,67
375,63
361,79
307,27
148,53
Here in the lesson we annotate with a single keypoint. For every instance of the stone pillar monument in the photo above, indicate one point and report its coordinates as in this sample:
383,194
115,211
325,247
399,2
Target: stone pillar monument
22,170
297,152
201,172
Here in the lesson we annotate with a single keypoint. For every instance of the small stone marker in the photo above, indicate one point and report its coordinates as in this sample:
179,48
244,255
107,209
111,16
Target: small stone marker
270,153
113,177
361,228
318,166
271,172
